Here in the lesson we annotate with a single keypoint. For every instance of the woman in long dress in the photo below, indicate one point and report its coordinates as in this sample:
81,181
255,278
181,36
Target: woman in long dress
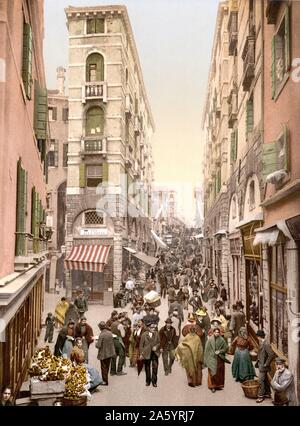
189,353
214,358
242,367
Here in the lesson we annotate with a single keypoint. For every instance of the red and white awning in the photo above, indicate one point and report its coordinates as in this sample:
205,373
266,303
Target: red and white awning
87,258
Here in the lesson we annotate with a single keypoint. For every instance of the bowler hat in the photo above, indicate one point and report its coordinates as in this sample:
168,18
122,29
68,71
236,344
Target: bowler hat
260,333
169,321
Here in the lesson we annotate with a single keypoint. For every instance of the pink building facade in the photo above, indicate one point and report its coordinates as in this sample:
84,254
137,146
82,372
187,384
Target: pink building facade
23,174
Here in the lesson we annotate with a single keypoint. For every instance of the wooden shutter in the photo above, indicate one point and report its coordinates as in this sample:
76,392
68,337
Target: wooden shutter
54,113
90,29
273,71
40,112
105,172
65,155
65,114
21,209
233,146
249,116
269,161
33,211
82,176
27,59
287,39
99,25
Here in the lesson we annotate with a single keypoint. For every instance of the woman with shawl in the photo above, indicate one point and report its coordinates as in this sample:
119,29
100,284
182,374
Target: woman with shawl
242,367
214,358
190,355
60,311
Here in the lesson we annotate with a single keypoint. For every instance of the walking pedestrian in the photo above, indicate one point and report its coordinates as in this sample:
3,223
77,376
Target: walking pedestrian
149,352
118,332
283,385
195,301
50,323
190,355
106,350
214,358
57,286
135,341
168,343
60,311
71,313
212,296
178,306
237,321
264,358
171,294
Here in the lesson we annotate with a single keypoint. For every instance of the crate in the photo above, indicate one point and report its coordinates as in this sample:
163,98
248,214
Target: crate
250,388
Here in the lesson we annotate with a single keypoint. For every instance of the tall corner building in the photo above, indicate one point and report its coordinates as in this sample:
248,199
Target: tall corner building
110,165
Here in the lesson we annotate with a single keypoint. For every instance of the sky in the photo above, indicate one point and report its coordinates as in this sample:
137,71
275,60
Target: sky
174,40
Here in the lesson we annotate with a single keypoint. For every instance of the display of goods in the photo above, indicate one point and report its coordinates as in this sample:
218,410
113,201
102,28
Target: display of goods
48,367
152,298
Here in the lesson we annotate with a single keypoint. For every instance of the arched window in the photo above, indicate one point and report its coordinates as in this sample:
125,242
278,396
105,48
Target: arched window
94,121
95,68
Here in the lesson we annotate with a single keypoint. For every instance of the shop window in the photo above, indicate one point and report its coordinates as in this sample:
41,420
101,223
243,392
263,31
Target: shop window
254,285
278,292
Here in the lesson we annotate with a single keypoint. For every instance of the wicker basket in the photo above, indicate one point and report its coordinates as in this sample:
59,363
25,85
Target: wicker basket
82,401
250,388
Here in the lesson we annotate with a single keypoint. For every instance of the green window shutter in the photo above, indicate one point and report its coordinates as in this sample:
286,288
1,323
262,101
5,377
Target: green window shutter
269,161
99,25
287,39
21,209
82,183
34,213
27,59
249,116
40,112
273,71
40,211
233,146
91,26
105,172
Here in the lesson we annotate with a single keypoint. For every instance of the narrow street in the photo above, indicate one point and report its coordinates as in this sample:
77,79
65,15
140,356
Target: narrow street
130,390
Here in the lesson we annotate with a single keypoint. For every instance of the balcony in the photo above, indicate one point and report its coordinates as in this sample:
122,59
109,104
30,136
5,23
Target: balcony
232,108
248,57
94,90
272,11
93,146
233,32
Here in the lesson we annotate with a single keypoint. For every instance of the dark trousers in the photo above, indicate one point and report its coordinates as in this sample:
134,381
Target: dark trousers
264,385
163,291
105,364
168,359
49,334
120,352
154,361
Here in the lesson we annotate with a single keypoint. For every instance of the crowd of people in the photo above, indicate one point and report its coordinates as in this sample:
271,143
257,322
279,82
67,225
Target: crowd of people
200,330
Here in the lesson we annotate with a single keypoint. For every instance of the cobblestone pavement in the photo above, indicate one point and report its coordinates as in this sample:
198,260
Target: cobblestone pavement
130,390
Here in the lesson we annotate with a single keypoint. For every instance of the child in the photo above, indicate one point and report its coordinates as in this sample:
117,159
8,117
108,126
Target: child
50,323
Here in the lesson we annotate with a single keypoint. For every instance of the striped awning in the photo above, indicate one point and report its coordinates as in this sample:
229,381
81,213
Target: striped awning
87,258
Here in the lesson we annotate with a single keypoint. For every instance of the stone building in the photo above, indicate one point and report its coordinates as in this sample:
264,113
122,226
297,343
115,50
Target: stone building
58,108
23,171
110,166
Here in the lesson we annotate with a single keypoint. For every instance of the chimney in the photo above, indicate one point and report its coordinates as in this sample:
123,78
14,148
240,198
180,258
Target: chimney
60,72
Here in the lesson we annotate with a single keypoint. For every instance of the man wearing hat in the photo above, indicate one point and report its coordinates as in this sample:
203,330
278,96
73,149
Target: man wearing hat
149,352
168,343
106,350
176,305
203,320
283,385
65,340
264,358
195,301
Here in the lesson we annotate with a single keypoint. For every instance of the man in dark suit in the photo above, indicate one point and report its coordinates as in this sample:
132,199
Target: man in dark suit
106,350
149,352
264,358
176,305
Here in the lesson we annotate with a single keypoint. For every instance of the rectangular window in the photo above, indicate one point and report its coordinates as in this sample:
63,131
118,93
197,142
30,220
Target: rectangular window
65,114
278,291
233,145
65,155
52,111
27,59
51,159
94,175
92,72
280,53
95,26
53,154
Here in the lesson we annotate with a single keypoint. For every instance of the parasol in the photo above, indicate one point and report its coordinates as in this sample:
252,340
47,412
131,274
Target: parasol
140,365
